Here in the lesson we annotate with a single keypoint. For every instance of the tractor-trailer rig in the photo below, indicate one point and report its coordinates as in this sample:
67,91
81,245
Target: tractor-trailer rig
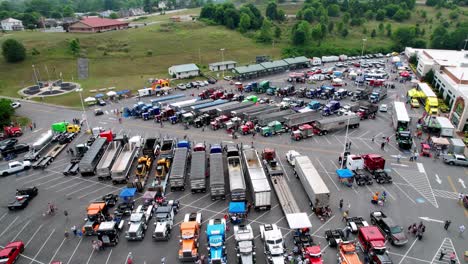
104,166
329,124
263,120
197,108
314,186
217,181
39,146
179,169
92,157
301,118
214,109
187,107
258,182
237,183
239,112
226,110
157,101
177,106
45,161
253,114
198,172
123,163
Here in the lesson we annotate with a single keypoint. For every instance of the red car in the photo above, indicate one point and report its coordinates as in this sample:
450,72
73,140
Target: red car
11,252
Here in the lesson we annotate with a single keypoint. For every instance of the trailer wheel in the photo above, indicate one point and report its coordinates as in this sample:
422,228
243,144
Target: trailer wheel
114,182
27,167
325,132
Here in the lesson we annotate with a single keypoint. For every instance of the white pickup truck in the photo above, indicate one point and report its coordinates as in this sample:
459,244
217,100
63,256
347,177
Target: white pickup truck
14,166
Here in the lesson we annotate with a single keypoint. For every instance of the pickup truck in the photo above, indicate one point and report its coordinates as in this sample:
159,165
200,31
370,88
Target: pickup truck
14,166
394,233
17,149
459,160
22,198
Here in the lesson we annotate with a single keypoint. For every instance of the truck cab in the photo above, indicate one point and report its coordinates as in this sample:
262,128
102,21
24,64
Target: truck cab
216,235
164,221
137,226
272,128
291,155
245,247
273,243
189,241
331,108
404,139
373,244
347,253
108,233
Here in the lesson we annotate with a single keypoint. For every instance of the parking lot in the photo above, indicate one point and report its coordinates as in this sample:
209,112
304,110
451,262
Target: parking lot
426,189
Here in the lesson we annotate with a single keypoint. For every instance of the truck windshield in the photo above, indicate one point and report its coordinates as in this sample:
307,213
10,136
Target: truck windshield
396,230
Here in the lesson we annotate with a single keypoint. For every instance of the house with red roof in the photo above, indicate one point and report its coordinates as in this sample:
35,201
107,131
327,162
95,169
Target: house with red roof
96,24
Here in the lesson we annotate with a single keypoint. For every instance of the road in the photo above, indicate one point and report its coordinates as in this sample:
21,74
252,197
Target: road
426,188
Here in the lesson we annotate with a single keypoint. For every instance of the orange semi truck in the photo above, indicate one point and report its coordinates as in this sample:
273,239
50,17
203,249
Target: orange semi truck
347,254
189,241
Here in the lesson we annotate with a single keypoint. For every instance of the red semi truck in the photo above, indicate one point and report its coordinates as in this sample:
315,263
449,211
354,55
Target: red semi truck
373,244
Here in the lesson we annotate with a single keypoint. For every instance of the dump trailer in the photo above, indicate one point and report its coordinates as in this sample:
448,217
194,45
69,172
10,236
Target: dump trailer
73,167
167,148
301,118
47,159
213,110
252,116
197,108
252,107
123,163
256,177
275,171
257,110
151,147
89,162
39,147
157,101
187,107
237,184
104,166
314,186
217,181
323,126
263,120
198,172
179,169
226,110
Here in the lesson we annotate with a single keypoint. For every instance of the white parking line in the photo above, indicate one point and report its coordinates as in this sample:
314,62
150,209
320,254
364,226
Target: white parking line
74,251
407,251
365,143
35,233
341,143
34,174
396,184
50,187
320,227
108,257
327,140
48,181
89,259
8,227
43,244
36,179
84,195
389,194
364,134
328,174
79,190
22,229
68,187
3,216
56,251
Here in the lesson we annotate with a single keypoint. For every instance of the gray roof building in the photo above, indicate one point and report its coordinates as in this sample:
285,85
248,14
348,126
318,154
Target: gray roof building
275,65
297,62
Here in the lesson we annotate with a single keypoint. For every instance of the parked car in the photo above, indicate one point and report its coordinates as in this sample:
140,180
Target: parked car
181,86
383,108
414,103
227,78
101,102
98,112
456,160
394,232
11,252
16,104
22,198
211,81
8,143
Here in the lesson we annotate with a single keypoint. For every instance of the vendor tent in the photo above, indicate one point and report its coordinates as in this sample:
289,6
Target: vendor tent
123,92
89,100
111,93
440,141
237,208
396,59
100,95
344,173
298,221
127,193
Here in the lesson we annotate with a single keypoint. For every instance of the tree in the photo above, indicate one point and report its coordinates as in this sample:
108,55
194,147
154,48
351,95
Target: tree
113,15
148,6
281,16
30,19
323,28
56,14
44,7
344,5
369,14
333,10
453,14
439,38
13,51
400,15
68,11
308,15
301,33
271,11
344,32
381,28
265,34
373,33
74,46
364,31
277,32
429,77
231,18
208,11
413,60
404,36
244,24
331,26
317,33
380,15
346,18
340,26
391,9
388,27
6,112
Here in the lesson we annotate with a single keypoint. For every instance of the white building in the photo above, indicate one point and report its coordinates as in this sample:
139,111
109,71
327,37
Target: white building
10,24
450,79
184,71
222,65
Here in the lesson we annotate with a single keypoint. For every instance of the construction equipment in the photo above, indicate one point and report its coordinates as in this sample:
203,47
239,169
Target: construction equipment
142,171
159,182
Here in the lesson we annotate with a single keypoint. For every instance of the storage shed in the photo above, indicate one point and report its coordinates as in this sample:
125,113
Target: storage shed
184,71
298,62
250,71
222,65
275,66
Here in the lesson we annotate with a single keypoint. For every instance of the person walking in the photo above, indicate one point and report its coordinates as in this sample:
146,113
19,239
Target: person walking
73,229
341,204
443,252
382,146
461,230
30,126
453,258
447,224
398,157
373,139
347,231
388,140
34,125
345,215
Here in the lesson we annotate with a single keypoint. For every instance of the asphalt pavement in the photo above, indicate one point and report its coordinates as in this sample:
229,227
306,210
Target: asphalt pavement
426,189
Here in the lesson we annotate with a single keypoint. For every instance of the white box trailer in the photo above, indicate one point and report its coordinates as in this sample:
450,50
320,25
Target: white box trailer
446,127
259,186
330,59
316,61
314,186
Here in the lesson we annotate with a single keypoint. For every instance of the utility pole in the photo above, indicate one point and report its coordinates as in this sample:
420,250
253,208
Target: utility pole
466,40
222,58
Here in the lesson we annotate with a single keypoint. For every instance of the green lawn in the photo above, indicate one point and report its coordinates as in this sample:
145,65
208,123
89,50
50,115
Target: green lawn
192,11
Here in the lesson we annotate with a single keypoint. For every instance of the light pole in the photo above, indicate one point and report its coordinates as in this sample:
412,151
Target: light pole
80,90
222,58
346,142
466,40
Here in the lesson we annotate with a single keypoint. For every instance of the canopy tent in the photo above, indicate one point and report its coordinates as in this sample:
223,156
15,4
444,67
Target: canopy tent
337,73
127,193
413,93
399,64
440,141
344,173
298,221
111,93
100,95
396,59
89,100
149,195
237,208
123,92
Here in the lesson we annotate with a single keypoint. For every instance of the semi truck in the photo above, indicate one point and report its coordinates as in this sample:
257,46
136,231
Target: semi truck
367,110
123,163
314,186
295,120
198,172
48,158
39,146
167,148
252,107
258,182
372,243
362,93
252,115
89,162
197,108
275,171
245,244
378,94
104,166
273,243
189,240
236,174
187,107
323,126
217,181
179,169
264,119
158,101
213,110
73,167
226,110
216,238
151,147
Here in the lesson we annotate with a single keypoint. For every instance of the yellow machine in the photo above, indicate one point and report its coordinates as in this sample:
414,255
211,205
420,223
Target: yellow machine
143,166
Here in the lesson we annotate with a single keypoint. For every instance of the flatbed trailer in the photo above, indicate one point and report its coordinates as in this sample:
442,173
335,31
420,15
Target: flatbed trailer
301,118
263,120
46,160
226,109
123,163
104,166
252,115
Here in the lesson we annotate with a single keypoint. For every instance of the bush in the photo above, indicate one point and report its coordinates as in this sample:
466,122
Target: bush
13,51
34,52
149,53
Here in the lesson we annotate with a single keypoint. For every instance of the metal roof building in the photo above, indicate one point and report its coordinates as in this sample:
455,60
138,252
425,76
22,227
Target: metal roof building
298,62
275,66
222,65
250,71
184,70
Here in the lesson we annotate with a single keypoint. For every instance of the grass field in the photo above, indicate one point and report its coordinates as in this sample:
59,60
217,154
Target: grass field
121,59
